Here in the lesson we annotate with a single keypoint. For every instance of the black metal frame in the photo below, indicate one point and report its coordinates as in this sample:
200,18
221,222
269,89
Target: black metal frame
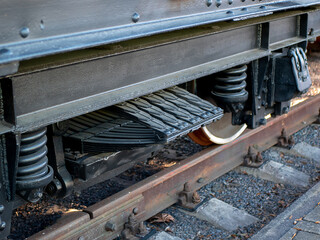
54,94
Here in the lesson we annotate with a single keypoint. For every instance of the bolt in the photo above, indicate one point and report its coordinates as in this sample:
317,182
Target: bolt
67,150
263,7
285,109
230,12
200,180
24,32
209,3
1,209
218,3
263,121
2,225
81,238
110,227
5,51
230,2
135,211
135,17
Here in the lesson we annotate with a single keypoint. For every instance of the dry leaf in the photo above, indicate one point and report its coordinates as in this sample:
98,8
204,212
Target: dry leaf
317,222
196,198
293,236
290,217
162,218
299,219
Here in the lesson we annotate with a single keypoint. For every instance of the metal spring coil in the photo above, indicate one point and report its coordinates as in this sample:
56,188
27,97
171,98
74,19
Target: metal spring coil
230,85
33,169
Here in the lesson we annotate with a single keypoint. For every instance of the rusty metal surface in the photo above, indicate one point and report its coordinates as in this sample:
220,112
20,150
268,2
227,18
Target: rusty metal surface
161,190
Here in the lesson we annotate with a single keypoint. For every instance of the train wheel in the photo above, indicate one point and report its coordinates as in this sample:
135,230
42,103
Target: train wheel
220,132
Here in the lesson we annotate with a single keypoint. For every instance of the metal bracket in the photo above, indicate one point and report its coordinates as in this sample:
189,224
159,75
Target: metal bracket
253,158
284,140
188,199
133,228
300,69
62,184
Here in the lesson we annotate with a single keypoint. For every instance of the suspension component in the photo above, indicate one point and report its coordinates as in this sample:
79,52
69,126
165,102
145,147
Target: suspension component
33,173
229,89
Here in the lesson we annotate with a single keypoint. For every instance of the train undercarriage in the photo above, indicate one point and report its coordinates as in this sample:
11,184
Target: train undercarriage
84,101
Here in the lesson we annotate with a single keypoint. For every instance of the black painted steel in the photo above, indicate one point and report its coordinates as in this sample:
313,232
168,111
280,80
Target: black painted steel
152,119
33,171
229,88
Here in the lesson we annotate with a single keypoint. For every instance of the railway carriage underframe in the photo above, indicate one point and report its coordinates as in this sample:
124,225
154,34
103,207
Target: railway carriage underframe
71,117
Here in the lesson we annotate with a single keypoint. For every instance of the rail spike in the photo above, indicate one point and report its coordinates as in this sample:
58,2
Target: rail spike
253,158
284,140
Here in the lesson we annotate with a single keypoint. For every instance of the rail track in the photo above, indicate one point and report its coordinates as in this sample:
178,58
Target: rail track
123,213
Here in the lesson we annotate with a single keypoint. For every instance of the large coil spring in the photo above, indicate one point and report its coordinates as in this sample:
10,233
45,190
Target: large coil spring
33,170
230,85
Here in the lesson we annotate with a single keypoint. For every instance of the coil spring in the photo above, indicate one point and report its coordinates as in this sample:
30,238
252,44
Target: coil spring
230,85
33,170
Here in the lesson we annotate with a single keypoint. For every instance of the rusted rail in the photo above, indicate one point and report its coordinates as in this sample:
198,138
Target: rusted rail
108,218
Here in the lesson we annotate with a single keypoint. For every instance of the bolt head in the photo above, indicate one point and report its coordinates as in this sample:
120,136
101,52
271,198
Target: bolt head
110,227
2,225
24,32
209,3
135,210
135,17
1,209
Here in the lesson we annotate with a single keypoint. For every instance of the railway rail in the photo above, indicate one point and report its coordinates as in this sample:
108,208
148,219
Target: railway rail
123,213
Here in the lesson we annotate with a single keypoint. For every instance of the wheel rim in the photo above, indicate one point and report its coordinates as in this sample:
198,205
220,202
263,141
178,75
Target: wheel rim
220,132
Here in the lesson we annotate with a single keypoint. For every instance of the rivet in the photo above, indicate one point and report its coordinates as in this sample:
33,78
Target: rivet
2,225
263,7
81,238
230,2
135,211
200,180
209,3
230,12
1,209
135,17
5,51
24,32
110,227
244,9
218,3
41,25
